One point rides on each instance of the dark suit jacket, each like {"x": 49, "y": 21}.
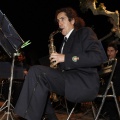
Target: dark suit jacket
{"x": 81, "y": 76}
{"x": 116, "y": 77}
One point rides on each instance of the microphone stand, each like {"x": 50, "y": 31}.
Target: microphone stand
{"x": 7, "y": 102}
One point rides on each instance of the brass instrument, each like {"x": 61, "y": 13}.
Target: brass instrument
{"x": 52, "y": 49}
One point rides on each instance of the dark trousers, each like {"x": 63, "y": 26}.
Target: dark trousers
{"x": 16, "y": 89}
{"x": 34, "y": 98}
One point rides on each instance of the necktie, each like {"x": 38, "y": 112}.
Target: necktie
{"x": 64, "y": 41}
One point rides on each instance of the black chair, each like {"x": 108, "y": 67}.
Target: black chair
{"x": 106, "y": 74}
{"x": 106, "y": 87}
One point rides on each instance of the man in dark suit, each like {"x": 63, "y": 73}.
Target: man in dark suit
{"x": 109, "y": 107}
{"x": 76, "y": 75}
{"x": 23, "y": 67}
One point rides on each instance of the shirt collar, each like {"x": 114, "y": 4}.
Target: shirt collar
{"x": 111, "y": 59}
{"x": 67, "y": 36}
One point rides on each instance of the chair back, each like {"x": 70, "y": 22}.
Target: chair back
{"x": 108, "y": 67}
{"x": 106, "y": 74}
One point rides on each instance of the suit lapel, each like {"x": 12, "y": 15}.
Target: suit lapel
{"x": 69, "y": 42}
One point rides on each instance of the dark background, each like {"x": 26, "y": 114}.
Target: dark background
{"x": 34, "y": 21}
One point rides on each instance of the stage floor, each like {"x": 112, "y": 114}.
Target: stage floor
{"x": 61, "y": 112}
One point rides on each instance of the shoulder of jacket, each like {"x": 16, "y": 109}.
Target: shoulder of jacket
{"x": 85, "y": 28}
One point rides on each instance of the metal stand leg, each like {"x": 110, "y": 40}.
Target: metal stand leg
{"x": 1, "y": 91}
{"x": 71, "y": 112}
{"x": 63, "y": 105}
{"x": 7, "y": 102}
{"x": 115, "y": 98}
{"x": 104, "y": 97}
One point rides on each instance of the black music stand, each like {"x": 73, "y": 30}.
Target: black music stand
{"x": 11, "y": 42}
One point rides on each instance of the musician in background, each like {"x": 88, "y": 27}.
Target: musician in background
{"x": 112, "y": 52}
{"x": 109, "y": 107}
{"x": 20, "y": 62}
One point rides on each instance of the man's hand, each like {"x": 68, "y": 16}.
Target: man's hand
{"x": 57, "y": 58}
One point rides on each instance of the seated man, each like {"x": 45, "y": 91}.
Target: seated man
{"x": 110, "y": 106}
{"x": 76, "y": 76}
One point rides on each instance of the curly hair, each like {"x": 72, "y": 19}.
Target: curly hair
{"x": 71, "y": 14}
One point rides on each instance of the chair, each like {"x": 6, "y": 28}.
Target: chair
{"x": 106, "y": 72}
{"x": 106, "y": 75}
{"x": 92, "y": 108}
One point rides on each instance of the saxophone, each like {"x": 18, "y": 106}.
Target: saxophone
{"x": 52, "y": 49}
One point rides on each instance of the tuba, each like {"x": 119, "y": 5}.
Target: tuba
{"x": 52, "y": 49}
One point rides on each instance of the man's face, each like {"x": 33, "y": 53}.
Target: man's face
{"x": 111, "y": 52}
{"x": 21, "y": 57}
{"x": 64, "y": 23}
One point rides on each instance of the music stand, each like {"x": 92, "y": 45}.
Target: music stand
{"x": 11, "y": 42}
